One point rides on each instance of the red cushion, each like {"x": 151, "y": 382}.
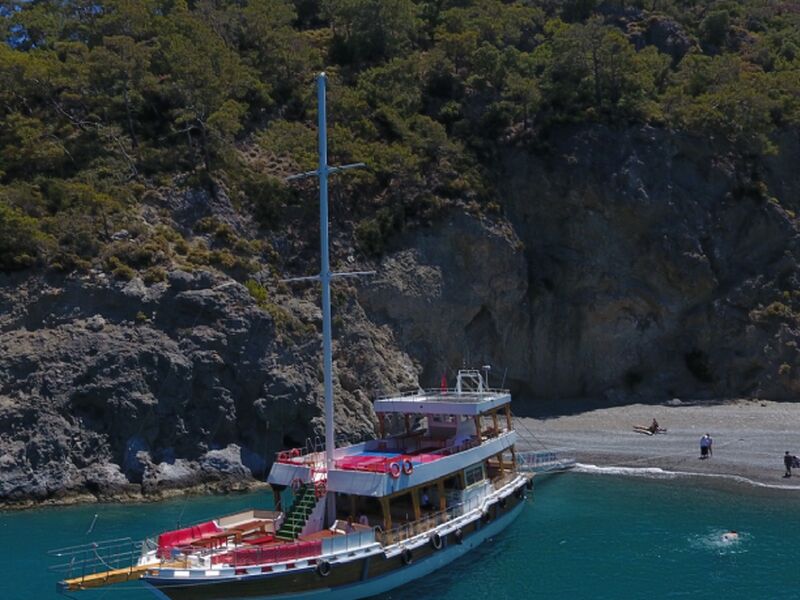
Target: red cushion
{"x": 184, "y": 537}
{"x": 208, "y": 528}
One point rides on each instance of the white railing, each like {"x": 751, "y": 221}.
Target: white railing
{"x": 428, "y": 522}
{"x": 448, "y": 395}
{"x": 96, "y": 557}
{"x": 545, "y": 460}
{"x": 346, "y": 543}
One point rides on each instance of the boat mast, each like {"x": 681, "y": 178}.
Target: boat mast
{"x": 325, "y": 276}
{"x": 325, "y": 270}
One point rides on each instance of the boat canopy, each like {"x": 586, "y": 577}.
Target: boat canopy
{"x": 449, "y": 402}
{"x": 471, "y": 397}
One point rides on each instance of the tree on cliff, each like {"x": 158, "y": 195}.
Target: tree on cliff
{"x": 101, "y": 102}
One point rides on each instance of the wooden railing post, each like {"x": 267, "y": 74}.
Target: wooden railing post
{"x": 387, "y": 515}
{"x": 442, "y": 496}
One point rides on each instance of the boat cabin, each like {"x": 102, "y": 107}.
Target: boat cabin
{"x": 436, "y": 450}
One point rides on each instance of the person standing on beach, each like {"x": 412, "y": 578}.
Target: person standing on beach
{"x": 705, "y": 446}
{"x": 788, "y": 459}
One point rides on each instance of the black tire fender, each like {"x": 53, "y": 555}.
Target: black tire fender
{"x": 406, "y": 556}
{"x": 324, "y": 568}
{"x": 436, "y": 541}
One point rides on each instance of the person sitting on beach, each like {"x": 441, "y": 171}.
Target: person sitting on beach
{"x": 653, "y": 427}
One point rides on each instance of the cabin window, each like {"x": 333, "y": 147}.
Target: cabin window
{"x": 473, "y": 475}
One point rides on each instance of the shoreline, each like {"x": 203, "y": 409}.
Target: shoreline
{"x": 130, "y": 498}
{"x": 750, "y": 438}
{"x": 715, "y": 480}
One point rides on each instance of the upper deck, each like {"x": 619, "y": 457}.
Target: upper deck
{"x": 443, "y": 402}
{"x": 470, "y": 398}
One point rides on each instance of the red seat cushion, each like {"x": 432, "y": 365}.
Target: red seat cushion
{"x": 184, "y": 537}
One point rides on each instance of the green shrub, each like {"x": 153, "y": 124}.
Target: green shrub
{"x": 284, "y": 321}
{"x": 370, "y": 237}
{"x": 22, "y": 243}
{"x": 221, "y": 231}
{"x": 182, "y": 247}
{"x": 120, "y": 270}
{"x": 372, "y": 234}
{"x": 155, "y": 275}
{"x": 269, "y": 196}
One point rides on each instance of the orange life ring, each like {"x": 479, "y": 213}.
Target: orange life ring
{"x": 283, "y": 457}
{"x": 395, "y": 470}
{"x": 295, "y": 452}
{"x": 408, "y": 467}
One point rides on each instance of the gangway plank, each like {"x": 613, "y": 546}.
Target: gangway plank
{"x": 544, "y": 461}
{"x": 95, "y": 580}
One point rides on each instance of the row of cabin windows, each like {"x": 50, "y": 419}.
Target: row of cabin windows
{"x": 473, "y": 474}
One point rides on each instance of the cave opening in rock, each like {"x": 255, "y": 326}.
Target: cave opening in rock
{"x": 697, "y": 363}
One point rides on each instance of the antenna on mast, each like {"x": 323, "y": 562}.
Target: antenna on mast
{"x": 325, "y": 276}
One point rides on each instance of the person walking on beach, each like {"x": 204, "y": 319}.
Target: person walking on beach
{"x": 705, "y": 446}
{"x": 788, "y": 461}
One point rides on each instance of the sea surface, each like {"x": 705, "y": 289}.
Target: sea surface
{"x": 582, "y": 536}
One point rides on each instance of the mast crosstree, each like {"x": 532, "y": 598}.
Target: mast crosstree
{"x": 325, "y": 275}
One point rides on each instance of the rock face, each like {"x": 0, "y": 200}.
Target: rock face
{"x": 628, "y": 265}
{"x": 633, "y": 264}
{"x": 649, "y": 256}
{"x": 116, "y": 388}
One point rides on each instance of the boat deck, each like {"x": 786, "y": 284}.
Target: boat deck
{"x": 381, "y": 461}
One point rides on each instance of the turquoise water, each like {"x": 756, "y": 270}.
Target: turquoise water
{"x": 583, "y": 536}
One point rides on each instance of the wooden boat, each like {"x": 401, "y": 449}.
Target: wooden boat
{"x": 440, "y": 479}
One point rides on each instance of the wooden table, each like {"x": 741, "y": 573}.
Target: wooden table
{"x": 249, "y": 527}
{"x": 214, "y": 540}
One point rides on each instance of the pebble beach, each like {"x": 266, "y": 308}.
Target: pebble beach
{"x": 750, "y": 438}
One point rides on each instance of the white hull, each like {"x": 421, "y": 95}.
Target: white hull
{"x": 412, "y": 572}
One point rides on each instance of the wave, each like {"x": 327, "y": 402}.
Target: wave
{"x": 658, "y": 473}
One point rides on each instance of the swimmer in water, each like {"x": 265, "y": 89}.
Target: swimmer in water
{"x": 730, "y": 536}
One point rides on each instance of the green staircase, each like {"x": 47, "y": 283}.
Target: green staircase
{"x": 296, "y": 518}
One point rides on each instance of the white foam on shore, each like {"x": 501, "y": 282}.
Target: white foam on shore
{"x": 657, "y": 473}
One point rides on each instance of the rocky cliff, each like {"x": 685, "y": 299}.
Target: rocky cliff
{"x": 635, "y": 264}
{"x": 632, "y": 264}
